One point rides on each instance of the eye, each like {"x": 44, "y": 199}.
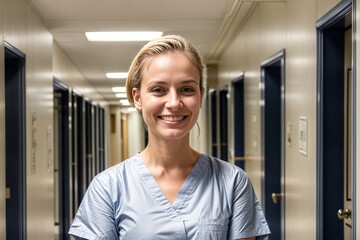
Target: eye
{"x": 188, "y": 89}
{"x": 157, "y": 90}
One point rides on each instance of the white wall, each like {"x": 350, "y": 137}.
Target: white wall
{"x": 199, "y": 136}
{"x": 115, "y": 138}
{"x": 136, "y": 134}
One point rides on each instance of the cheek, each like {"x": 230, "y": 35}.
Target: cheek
{"x": 194, "y": 106}
{"x": 151, "y": 105}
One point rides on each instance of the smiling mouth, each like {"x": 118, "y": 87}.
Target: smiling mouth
{"x": 172, "y": 119}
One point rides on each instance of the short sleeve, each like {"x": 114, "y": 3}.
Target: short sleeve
{"x": 95, "y": 219}
{"x": 248, "y": 219}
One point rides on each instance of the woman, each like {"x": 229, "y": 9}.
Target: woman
{"x": 169, "y": 190}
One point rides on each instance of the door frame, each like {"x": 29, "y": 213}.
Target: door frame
{"x": 223, "y": 123}
{"x": 64, "y": 158}
{"x": 20, "y": 167}
{"x": 325, "y": 23}
{"x": 89, "y": 146}
{"x": 213, "y": 121}
{"x": 238, "y": 121}
{"x": 277, "y": 57}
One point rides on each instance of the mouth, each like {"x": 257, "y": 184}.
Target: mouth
{"x": 172, "y": 118}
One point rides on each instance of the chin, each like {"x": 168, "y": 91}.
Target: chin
{"x": 176, "y": 136}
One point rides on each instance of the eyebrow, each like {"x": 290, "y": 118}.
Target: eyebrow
{"x": 165, "y": 82}
{"x": 191, "y": 81}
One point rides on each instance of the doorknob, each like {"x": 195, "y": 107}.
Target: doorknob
{"x": 276, "y": 197}
{"x": 342, "y": 214}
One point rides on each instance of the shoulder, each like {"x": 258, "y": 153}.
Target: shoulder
{"x": 117, "y": 173}
{"x": 217, "y": 163}
{"x": 111, "y": 183}
{"x": 226, "y": 170}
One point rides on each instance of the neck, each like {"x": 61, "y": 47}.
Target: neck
{"x": 169, "y": 154}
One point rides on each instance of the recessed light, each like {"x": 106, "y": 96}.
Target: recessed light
{"x": 124, "y": 102}
{"x": 131, "y": 109}
{"x": 122, "y": 36}
{"x": 121, "y": 95}
{"x": 116, "y": 75}
{"x": 119, "y": 89}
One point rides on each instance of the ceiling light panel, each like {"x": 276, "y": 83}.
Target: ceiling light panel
{"x": 121, "y": 95}
{"x": 118, "y": 89}
{"x": 117, "y": 75}
{"x": 122, "y": 36}
{"x": 124, "y": 102}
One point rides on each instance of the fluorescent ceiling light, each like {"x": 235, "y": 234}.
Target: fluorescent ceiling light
{"x": 122, "y": 36}
{"x": 117, "y": 75}
{"x": 119, "y": 89}
{"x": 121, "y": 95}
{"x": 131, "y": 109}
{"x": 124, "y": 102}
{"x": 128, "y": 110}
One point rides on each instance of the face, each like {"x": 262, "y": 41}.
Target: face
{"x": 170, "y": 96}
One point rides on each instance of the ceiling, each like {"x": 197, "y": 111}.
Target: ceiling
{"x": 208, "y": 24}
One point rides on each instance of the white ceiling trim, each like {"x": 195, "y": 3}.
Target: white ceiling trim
{"x": 232, "y": 23}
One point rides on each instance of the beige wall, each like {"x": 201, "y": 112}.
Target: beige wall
{"x": 272, "y": 27}
{"x": 65, "y": 71}
{"x": 39, "y": 103}
{"x": 23, "y": 30}
{"x": 301, "y": 101}
{"x": 115, "y": 138}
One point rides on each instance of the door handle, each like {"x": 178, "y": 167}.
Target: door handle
{"x": 344, "y": 213}
{"x": 276, "y": 197}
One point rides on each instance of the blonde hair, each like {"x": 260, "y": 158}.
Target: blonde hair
{"x": 162, "y": 45}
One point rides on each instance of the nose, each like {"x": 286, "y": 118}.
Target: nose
{"x": 173, "y": 100}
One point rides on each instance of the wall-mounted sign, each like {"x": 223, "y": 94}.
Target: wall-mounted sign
{"x": 303, "y": 135}
{"x": 33, "y": 142}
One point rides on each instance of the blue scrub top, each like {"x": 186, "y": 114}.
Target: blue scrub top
{"x": 216, "y": 201}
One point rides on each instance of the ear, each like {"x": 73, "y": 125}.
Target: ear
{"x": 137, "y": 100}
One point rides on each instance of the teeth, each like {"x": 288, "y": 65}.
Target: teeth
{"x": 172, "y": 119}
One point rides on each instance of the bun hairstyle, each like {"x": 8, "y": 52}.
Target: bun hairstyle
{"x": 162, "y": 45}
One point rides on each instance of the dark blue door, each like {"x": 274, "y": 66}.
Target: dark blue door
{"x": 331, "y": 122}
{"x": 213, "y": 123}
{"x": 237, "y": 87}
{"x": 223, "y": 112}
{"x": 273, "y": 108}
{"x": 63, "y": 165}
{"x": 15, "y": 144}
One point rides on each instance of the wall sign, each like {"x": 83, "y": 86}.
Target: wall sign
{"x": 303, "y": 135}
{"x": 33, "y": 142}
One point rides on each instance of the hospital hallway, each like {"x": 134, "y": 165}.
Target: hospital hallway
{"x": 280, "y": 102}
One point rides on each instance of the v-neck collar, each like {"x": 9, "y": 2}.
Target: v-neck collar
{"x": 184, "y": 193}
